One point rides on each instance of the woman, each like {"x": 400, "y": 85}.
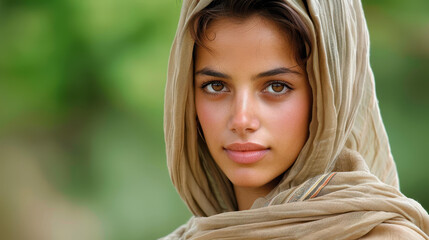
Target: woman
{"x": 272, "y": 125}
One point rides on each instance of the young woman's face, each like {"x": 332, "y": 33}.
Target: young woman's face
{"x": 252, "y": 100}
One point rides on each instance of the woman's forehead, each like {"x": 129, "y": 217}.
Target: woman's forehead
{"x": 237, "y": 44}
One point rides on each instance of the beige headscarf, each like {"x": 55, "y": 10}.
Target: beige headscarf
{"x": 344, "y": 181}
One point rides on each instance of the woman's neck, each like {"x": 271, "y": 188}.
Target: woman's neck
{"x": 246, "y": 196}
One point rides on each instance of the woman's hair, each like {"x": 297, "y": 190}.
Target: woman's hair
{"x": 275, "y": 10}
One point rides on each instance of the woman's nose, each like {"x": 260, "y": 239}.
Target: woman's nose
{"x": 243, "y": 118}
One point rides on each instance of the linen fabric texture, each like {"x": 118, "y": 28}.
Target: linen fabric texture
{"x": 344, "y": 181}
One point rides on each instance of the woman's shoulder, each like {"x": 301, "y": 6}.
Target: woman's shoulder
{"x": 393, "y": 232}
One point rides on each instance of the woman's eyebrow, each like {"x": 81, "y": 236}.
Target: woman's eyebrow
{"x": 276, "y": 71}
{"x": 211, "y": 72}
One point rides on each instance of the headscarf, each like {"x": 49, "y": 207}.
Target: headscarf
{"x": 344, "y": 181}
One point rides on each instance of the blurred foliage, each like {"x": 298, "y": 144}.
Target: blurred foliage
{"x": 81, "y": 107}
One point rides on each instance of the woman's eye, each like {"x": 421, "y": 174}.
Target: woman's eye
{"x": 277, "y": 88}
{"x": 215, "y": 87}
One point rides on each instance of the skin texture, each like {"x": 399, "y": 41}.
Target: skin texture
{"x": 237, "y": 103}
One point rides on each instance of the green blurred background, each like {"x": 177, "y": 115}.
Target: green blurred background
{"x": 81, "y": 108}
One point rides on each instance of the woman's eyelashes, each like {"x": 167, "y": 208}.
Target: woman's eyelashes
{"x": 214, "y": 87}
{"x": 276, "y": 88}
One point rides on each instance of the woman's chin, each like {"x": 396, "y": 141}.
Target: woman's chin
{"x": 250, "y": 181}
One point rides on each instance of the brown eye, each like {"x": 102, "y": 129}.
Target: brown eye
{"x": 277, "y": 87}
{"x": 217, "y": 86}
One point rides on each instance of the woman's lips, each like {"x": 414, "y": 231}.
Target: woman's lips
{"x": 245, "y": 153}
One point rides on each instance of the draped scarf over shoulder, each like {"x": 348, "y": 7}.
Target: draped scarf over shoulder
{"x": 344, "y": 181}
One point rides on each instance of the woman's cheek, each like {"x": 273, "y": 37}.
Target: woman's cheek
{"x": 209, "y": 114}
{"x": 289, "y": 118}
